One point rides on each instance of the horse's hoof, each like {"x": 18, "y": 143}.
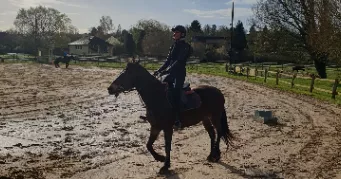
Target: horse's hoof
{"x": 164, "y": 170}
{"x": 216, "y": 159}
{"x": 212, "y": 158}
{"x": 143, "y": 118}
{"x": 160, "y": 158}
{"x": 209, "y": 158}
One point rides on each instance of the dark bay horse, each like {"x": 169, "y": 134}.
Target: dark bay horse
{"x": 161, "y": 118}
{"x": 65, "y": 60}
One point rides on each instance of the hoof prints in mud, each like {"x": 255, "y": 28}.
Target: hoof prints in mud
{"x": 15, "y": 173}
{"x": 79, "y": 127}
{"x": 70, "y": 116}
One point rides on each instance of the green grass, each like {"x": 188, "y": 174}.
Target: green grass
{"x": 26, "y": 56}
{"x": 219, "y": 70}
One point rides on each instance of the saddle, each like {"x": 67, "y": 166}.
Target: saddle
{"x": 189, "y": 98}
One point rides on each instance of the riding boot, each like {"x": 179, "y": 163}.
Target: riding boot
{"x": 176, "y": 108}
{"x": 177, "y": 123}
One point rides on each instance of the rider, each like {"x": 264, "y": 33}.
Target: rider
{"x": 65, "y": 54}
{"x": 175, "y": 67}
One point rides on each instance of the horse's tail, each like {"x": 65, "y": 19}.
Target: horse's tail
{"x": 56, "y": 61}
{"x": 226, "y": 133}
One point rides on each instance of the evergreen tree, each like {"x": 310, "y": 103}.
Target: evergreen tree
{"x": 129, "y": 44}
{"x": 239, "y": 37}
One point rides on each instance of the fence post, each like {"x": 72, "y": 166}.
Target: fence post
{"x": 334, "y": 93}
{"x": 256, "y": 72}
{"x": 312, "y": 82}
{"x": 293, "y": 79}
{"x": 277, "y": 77}
{"x": 247, "y": 72}
{"x": 265, "y": 75}
{"x": 226, "y": 67}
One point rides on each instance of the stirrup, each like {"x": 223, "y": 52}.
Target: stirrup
{"x": 177, "y": 124}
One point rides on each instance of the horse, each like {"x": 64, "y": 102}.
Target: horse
{"x": 65, "y": 60}
{"x": 298, "y": 67}
{"x": 153, "y": 92}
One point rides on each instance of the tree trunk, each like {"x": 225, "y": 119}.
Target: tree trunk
{"x": 320, "y": 65}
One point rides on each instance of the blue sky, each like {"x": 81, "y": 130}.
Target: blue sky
{"x": 86, "y": 13}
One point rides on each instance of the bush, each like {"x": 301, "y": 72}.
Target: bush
{"x": 213, "y": 55}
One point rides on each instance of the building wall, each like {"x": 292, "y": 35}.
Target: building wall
{"x": 79, "y": 49}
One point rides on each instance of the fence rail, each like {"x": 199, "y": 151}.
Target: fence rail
{"x": 279, "y": 74}
{"x": 251, "y": 70}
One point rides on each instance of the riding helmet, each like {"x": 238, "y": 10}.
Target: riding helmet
{"x": 181, "y": 29}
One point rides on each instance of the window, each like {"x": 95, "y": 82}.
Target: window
{"x": 79, "y": 47}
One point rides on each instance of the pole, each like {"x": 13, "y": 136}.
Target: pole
{"x": 232, "y": 18}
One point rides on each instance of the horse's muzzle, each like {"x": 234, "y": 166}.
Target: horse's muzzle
{"x": 115, "y": 89}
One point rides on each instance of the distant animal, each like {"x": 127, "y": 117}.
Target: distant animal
{"x": 204, "y": 104}
{"x": 297, "y": 68}
{"x": 65, "y": 60}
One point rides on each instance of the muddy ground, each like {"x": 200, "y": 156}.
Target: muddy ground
{"x": 61, "y": 123}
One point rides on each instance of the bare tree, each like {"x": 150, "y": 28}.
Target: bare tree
{"x": 157, "y": 37}
{"x": 42, "y": 24}
{"x": 313, "y": 22}
{"x": 106, "y": 24}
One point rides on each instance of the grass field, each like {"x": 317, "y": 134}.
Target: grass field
{"x": 219, "y": 70}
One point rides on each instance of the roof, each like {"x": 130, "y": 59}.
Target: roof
{"x": 208, "y": 39}
{"x": 82, "y": 41}
{"x": 113, "y": 41}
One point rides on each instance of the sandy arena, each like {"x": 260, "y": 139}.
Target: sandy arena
{"x": 61, "y": 123}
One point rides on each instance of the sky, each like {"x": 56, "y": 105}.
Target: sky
{"x": 86, "y": 13}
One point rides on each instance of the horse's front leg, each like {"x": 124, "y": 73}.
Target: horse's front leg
{"x": 168, "y": 132}
{"x": 154, "y": 133}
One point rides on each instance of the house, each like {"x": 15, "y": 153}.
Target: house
{"x": 201, "y": 44}
{"x": 90, "y": 45}
{"x": 209, "y": 39}
{"x": 116, "y": 44}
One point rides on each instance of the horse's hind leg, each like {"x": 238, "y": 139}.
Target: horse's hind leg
{"x": 154, "y": 133}
{"x": 210, "y": 130}
{"x": 168, "y": 132}
{"x": 216, "y": 121}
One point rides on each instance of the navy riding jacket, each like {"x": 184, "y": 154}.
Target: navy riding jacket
{"x": 175, "y": 64}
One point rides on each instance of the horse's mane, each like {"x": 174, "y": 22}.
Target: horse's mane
{"x": 144, "y": 74}
{"x": 151, "y": 90}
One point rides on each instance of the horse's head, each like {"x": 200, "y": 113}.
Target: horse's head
{"x": 73, "y": 57}
{"x": 126, "y": 81}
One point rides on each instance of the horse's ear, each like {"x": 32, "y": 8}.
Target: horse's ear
{"x": 138, "y": 60}
{"x": 132, "y": 60}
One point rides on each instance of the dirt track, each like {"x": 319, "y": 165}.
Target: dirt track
{"x": 58, "y": 123}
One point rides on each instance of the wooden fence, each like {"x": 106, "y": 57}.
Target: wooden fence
{"x": 258, "y": 72}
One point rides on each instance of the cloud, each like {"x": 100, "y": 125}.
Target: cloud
{"x": 83, "y": 30}
{"x": 72, "y": 13}
{"x": 220, "y": 13}
{"x": 30, "y": 3}
{"x": 242, "y": 2}
{"x": 7, "y": 13}
{"x": 195, "y": 2}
